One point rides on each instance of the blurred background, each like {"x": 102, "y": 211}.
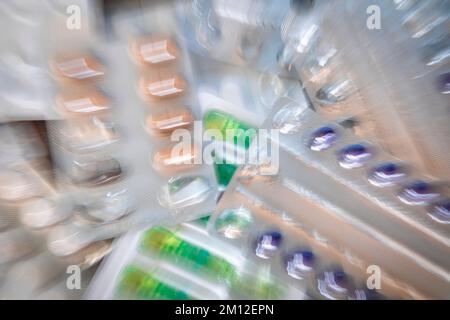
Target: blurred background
{"x": 98, "y": 202}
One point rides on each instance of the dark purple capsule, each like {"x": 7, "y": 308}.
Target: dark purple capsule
{"x": 354, "y": 156}
{"x": 440, "y": 211}
{"x": 340, "y": 279}
{"x": 334, "y": 285}
{"x": 386, "y": 174}
{"x": 300, "y": 263}
{"x": 322, "y": 139}
{"x": 418, "y": 193}
{"x": 268, "y": 244}
{"x": 444, "y": 83}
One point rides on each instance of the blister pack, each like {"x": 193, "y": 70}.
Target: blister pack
{"x": 28, "y": 212}
{"x": 381, "y": 80}
{"x": 243, "y": 33}
{"x": 329, "y": 180}
{"x": 234, "y": 106}
{"x": 183, "y": 263}
{"x": 27, "y": 88}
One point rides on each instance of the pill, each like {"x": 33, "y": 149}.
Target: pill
{"x": 18, "y": 186}
{"x": 440, "y": 211}
{"x": 289, "y": 119}
{"x": 167, "y": 87}
{"x": 167, "y": 122}
{"x": 180, "y": 192}
{"x": 154, "y": 51}
{"x": 322, "y": 139}
{"x": 96, "y": 173}
{"x": 231, "y": 128}
{"x": 268, "y": 244}
{"x": 80, "y": 67}
{"x": 418, "y": 193}
{"x": 334, "y": 93}
{"x": 354, "y": 156}
{"x": 300, "y": 263}
{"x": 232, "y": 223}
{"x": 85, "y": 103}
{"x": 43, "y": 212}
{"x": 444, "y": 83}
{"x": 334, "y": 285}
{"x": 386, "y": 174}
{"x": 168, "y": 159}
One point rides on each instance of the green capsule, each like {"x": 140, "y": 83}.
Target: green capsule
{"x": 184, "y": 191}
{"x": 163, "y": 291}
{"x": 156, "y": 239}
{"x": 203, "y": 221}
{"x": 147, "y": 290}
{"x": 231, "y": 128}
{"x": 180, "y": 252}
{"x": 132, "y": 278}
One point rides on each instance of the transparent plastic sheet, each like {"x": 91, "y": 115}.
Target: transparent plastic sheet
{"x": 232, "y": 97}
{"x": 383, "y": 80}
{"x": 243, "y": 33}
{"x": 27, "y": 216}
{"x": 244, "y": 93}
{"x": 102, "y": 87}
{"x": 188, "y": 264}
{"x": 326, "y": 187}
{"x": 338, "y": 202}
{"x": 130, "y": 151}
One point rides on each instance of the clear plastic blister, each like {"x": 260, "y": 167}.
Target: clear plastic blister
{"x": 273, "y": 240}
{"x": 243, "y": 33}
{"x": 383, "y": 79}
{"x": 114, "y": 150}
{"x": 27, "y": 87}
{"x": 30, "y": 209}
{"x": 183, "y": 263}
{"x": 329, "y": 174}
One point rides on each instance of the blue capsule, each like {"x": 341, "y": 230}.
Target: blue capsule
{"x": 440, "y": 211}
{"x": 268, "y": 244}
{"x": 386, "y": 174}
{"x": 418, "y": 193}
{"x": 334, "y": 285}
{"x": 354, "y": 156}
{"x": 300, "y": 263}
{"x": 322, "y": 139}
